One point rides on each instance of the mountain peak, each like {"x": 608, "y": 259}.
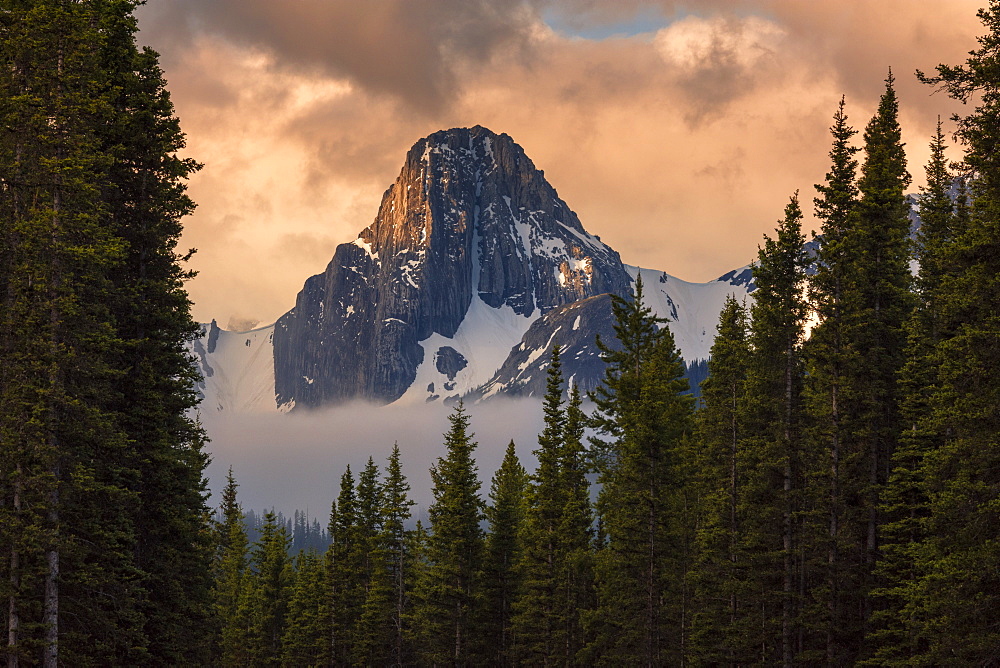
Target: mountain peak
{"x": 469, "y": 219}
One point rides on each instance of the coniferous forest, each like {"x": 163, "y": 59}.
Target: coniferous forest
{"x": 833, "y": 497}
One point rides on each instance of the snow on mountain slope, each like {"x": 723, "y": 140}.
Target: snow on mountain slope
{"x": 237, "y": 369}
{"x": 692, "y": 309}
{"x": 454, "y": 366}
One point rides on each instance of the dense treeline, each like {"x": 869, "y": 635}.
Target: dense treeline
{"x": 833, "y": 499}
{"x": 105, "y": 549}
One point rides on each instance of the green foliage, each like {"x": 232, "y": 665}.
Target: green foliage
{"x": 718, "y": 573}
{"x": 108, "y": 553}
{"x": 645, "y": 419}
{"x": 772, "y": 499}
{"x": 855, "y": 355}
{"x": 501, "y": 579}
{"x": 268, "y": 593}
{"x": 230, "y": 573}
{"x": 957, "y": 559}
{"x": 554, "y": 565}
{"x": 345, "y": 570}
{"x": 380, "y": 637}
{"x": 305, "y": 640}
{"x": 448, "y": 584}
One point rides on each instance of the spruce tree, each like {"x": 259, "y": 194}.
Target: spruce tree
{"x": 382, "y": 629}
{"x": 145, "y": 202}
{"x": 773, "y": 490}
{"x": 536, "y": 621}
{"x": 904, "y": 500}
{"x": 268, "y": 590}
{"x": 720, "y": 571}
{"x": 874, "y": 305}
{"x": 828, "y": 359}
{"x": 575, "y": 590}
{"x": 68, "y": 574}
{"x": 500, "y": 575}
{"x": 448, "y": 586}
{"x": 958, "y": 560}
{"x": 645, "y": 418}
{"x": 230, "y": 575}
{"x": 305, "y": 641}
{"x": 345, "y": 571}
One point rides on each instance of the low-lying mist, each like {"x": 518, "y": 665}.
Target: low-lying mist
{"x": 294, "y": 462}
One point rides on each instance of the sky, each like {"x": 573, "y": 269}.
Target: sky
{"x": 676, "y": 130}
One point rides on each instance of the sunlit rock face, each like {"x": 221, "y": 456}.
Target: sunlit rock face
{"x": 470, "y": 229}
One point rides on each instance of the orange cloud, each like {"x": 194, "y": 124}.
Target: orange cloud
{"x": 679, "y": 144}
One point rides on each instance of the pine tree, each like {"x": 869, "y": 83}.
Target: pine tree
{"x": 373, "y": 588}
{"x": 773, "y": 490}
{"x": 381, "y": 626}
{"x": 305, "y": 641}
{"x": 645, "y": 417}
{"x": 66, "y": 533}
{"x": 78, "y": 98}
{"x": 719, "y": 573}
{"x": 575, "y": 590}
{"x": 230, "y": 574}
{"x": 145, "y": 199}
{"x": 268, "y": 591}
{"x": 904, "y": 500}
{"x": 500, "y": 576}
{"x": 958, "y": 560}
{"x": 828, "y": 358}
{"x": 536, "y": 619}
{"x": 448, "y": 587}
{"x": 863, "y": 355}
{"x": 345, "y": 570}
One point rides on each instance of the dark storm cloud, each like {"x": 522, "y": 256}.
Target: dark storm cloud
{"x": 401, "y": 48}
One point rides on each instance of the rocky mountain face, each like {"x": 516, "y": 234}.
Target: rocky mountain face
{"x": 471, "y": 271}
{"x": 469, "y": 224}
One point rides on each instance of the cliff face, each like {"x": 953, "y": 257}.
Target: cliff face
{"x": 469, "y": 219}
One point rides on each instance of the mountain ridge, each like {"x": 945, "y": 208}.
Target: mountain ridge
{"x": 470, "y": 249}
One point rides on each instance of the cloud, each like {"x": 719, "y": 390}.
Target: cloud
{"x": 718, "y": 60}
{"x": 295, "y": 461}
{"x": 403, "y": 49}
{"x": 678, "y": 145}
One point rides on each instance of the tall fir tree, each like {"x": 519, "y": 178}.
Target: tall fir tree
{"x": 345, "y": 571}
{"x": 305, "y": 641}
{"x": 501, "y": 556}
{"x": 874, "y": 303}
{"x": 268, "y": 591}
{"x": 62, "y": 449}
{"x": 828, "y": 359}
{"x": 554, "y": 569}
{"x": 230, "y": 573}
{"x": 773, "y": 488}
{"x": 146, "y": 201}
{"x": 448, "y": 587}
{"x": 382, "y": 633}
{"x": 575, "y": 591}
{"x": 720, "y": 571}
{"x": 79, "y": 98}
{"x": 536, "y": 621}
{"x": 904, "y": 500}
{"x": 645, "y": 418}
{"x": 959, "y": 560}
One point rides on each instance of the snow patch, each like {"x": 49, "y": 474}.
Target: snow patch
{"x": 242, "y": 379}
